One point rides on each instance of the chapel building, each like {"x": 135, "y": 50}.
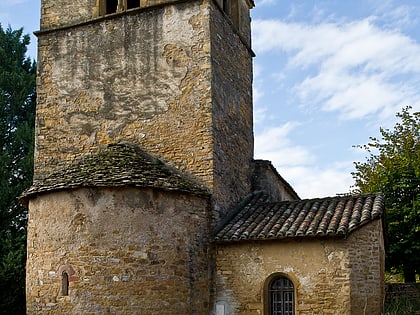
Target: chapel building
{"x": 146, "y": 197}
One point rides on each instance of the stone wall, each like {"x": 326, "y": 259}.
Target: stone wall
{"x": 175, "y": 80}
{"x": 142, "y": 78}
{"x": 126, "y": 251}
{"x": 59, "y": 13}
{"x": 266, "y": 178}
{"x": 56, "y": 13}
{"x": 326, "y": 273}
{"x": 398, "y": 291}
{"x": 231, "y": 112}
{"x": 367, "y": 263}
{"x": 240, "y": 17}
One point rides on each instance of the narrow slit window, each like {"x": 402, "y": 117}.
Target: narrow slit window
{"x": 234, "y": 13}
{"x": 227, "y": 6}
{"x": 231, "y": 8}
{"x": 65, "y": 284}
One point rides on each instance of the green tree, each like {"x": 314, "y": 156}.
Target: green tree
{"x": 393, "y": 167}
{"x": 17, "y": 111}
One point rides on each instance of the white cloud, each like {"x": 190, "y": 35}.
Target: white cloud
{"x": 275, "y": 145}
{"x": 257, "y": 90}
{"x": 259, "y": 114}
{"x": 357, "y": 69}
{"x": 298, "y": 165}
{"x": 260, "y": 3}
{"x": 333, "y": 67}
{"x": 396, "y": 15}
{"x": 313, "y": 182}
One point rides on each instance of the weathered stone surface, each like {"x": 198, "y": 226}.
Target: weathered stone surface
{"x": 231, "y": 113}
{"x": 115, "y": 231}
{"x": 398, "y": 291}
{"x": 132, "y": 251}
{"x": 331, "y": 276}
{"x": 125, "y": 79}
{"x": 154, "y": 77}
{"x": 266, "y": 178}
{"x": 174, "y": 79}
{"x": 61, "y": 13}
{"x": 117, "y": 165}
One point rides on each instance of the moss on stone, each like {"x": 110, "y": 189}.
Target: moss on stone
{"x": 117, "y": 165}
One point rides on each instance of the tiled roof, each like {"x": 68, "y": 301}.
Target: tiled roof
{"x": 117, "y": 165}
{"x": 261, "y": 219}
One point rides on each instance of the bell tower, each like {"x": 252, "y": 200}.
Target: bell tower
{"x": 144, "y": 140}
{"x": 173, "y": 76}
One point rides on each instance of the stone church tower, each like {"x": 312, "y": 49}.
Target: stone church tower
{"x": 143, "y": 142}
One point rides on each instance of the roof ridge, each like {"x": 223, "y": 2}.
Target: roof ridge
{"x": 118, "y": 164}
{"x": 263, "y": 219}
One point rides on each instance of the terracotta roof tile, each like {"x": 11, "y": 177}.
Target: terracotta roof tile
{"x": 117, "y": 165}
{"x": 261, "y": 219}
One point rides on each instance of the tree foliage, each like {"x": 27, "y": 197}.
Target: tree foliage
{"x": 393, "y": 167}
{"x": 17, "y": 111}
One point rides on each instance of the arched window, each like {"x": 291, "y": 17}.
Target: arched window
{"x": 64, "y": 284}
{"x": 281, "y": 300}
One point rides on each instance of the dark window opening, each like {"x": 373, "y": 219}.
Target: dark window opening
{"x": 116, "y": 6}
{"x": 281, "y": 296}
{"x": 111, "y": 6}
{"x": 226, "y": 6}
{"x": 64, "y": 284}
{"x": 231, "y": 8}
{"x": 131, "y": 4}
{"x": 234, "y": 13}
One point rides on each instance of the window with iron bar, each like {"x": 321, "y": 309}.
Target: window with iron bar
{"x": 281, "y": 296}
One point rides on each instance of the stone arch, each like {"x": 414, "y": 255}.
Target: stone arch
{"x": 67, "y": 275}
{"x": 280, "y": 294}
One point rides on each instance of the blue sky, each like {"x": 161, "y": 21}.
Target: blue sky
{"x": 327, "y": 75}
